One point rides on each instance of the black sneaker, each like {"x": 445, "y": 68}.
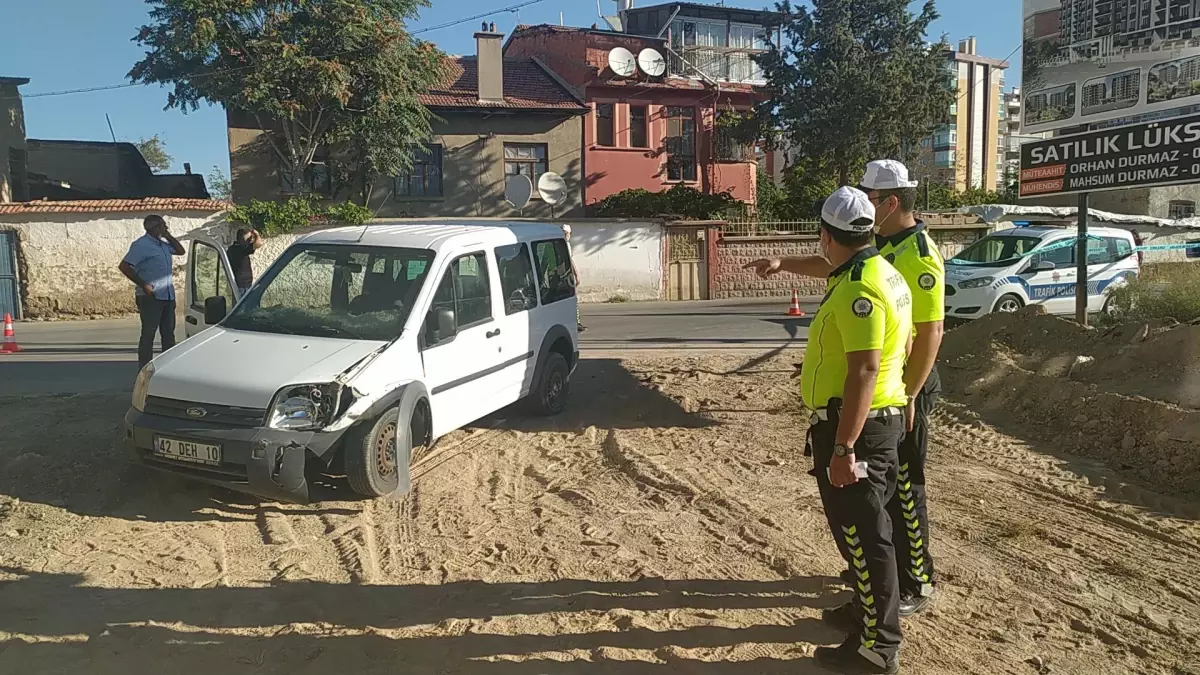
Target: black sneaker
{"x": 849, "y": 660}
{"x": 843, "y": 618}
{"x": 580, "y": 328}
{"x": 913, "y": 604}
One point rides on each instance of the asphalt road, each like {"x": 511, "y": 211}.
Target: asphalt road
{"x": 66, "y": 357}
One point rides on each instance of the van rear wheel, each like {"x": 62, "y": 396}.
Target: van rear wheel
{"x": 549, "y": 394}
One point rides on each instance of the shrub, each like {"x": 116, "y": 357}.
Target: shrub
{"x": 679, "y": 202}
{"x": 272, "y": 218}
{"x": 1165, "y": 291}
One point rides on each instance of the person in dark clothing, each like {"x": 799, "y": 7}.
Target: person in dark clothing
{"x": 244, "y": 245}
{"x": 148, "y": 265}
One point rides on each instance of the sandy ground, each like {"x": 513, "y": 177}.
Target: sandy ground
{"x": 666, "y": 523}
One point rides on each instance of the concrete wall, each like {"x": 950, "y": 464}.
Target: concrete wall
{"x": 729, "y": 280}
{"x": 68, "y": 262}
{"x": 614, "y": 257}
{"x": 12, "y": 135}
{"x": 473, "y": 176}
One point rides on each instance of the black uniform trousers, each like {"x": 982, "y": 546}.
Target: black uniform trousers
{"x": 910, "y": 534}
{"x": 859, "y": 520}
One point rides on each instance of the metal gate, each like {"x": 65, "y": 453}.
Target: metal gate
{"x": 687, "y": 274}
{"x": 8, "y": 274}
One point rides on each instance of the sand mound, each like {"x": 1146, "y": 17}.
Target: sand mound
{"x": 1127, "y": 395}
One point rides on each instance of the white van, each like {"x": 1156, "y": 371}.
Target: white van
{"x": 357, "y": 349}
{"x": 1004, "y": 271}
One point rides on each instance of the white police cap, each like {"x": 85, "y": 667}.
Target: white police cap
{"x": 849, "y": 210}
{"x": 886, "y": 174}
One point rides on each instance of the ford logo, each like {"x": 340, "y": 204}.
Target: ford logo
{"x": 196, "y": 412}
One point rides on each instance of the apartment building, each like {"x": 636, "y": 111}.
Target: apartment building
{"x": 969, "y": 151}
{"x": 1094, "y": 28}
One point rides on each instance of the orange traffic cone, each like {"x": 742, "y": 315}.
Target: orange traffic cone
{"x": 9, "y": 345}
{"x": 794, "y": 310}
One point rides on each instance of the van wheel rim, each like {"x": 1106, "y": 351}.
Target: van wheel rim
{"x": 554, "y": 388}
{"x": 385, "y": 450}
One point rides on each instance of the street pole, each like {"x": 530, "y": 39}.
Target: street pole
{"x": 1081, "y": 263}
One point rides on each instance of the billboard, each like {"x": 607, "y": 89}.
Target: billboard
{"x": 1088, "y": 61}
{"x": 1140, "y": 155}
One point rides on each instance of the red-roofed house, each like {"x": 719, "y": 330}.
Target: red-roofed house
{"x": 497, "y": 116}
{"x": 651, "y": 131}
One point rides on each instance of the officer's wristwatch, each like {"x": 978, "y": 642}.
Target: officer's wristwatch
{"x": 842, "y": 450}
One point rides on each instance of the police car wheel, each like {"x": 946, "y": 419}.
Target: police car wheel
{"x": 1110, "y": 307}
{"x": 1007, "y": 304}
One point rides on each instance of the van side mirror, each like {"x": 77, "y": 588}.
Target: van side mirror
{"x": 215, "y": 309}
{"x": 1045, "y": 266}
{"x": 440, "y": 326}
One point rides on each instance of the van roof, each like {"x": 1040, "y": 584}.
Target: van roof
{"x": 433, "y": 234}
{"x": 1036, "y": 231}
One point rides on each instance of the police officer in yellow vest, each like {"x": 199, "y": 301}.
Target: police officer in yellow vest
{"x": 852, "y": 379}
{"x": 903, "y": 241}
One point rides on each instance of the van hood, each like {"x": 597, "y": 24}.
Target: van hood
{"x": 245, "y": 369}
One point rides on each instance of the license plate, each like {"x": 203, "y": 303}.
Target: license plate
{"x": 187, "y": 451}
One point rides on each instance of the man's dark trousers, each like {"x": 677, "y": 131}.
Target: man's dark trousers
{"x": 157, "y": 316}
{"x": 910, "y": 517}
{"x": 861, "y": 525}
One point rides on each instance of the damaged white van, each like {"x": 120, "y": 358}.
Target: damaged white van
{"x": 357, "y": 349}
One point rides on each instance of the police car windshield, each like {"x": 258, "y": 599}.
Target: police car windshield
{"x": 995, "y": 251}
{"x": 349, "y": 292}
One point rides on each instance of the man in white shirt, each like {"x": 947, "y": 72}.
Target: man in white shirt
{"x": 574, "y": 270}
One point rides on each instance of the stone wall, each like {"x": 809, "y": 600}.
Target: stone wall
{"x": 733, "y": 253}
{"x": 730, "y": 280}
{"x": 67, "y": 262}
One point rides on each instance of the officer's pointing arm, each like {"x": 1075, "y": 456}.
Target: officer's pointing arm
{"x": 806, "y": 266}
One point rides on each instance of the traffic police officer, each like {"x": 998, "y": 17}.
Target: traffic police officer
{"x": 903, "y": 241}
{"x": 853, "y": 380}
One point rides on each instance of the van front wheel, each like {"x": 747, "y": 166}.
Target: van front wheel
{"x": 373, "y": 458}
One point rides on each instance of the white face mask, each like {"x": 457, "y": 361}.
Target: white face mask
{"x": 880, "y": 218}
{"x": 822, "y": 247}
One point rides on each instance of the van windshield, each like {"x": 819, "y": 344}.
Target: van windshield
{"x": 323, "y": 290}
{"x": 995, "y": 251}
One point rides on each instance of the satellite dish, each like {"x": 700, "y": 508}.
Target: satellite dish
{"x": 622, "y": 62}
{"x": 518, "y": 190}
{"x": 651, "y": 62}
{"x": 552, "y": 188}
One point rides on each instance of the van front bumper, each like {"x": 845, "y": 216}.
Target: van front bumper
{"x": 255, "y": 460}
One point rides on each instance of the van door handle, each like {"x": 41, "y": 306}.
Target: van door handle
{"x": 192, "y": 320}
{"x": 494, "y": 333}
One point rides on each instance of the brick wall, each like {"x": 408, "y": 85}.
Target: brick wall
{"x": 729, "y": 280}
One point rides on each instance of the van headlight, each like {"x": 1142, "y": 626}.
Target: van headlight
{"x": 304, "y": 407}
{"x": 141, "y": 387}
{"x": 976, "y": 283}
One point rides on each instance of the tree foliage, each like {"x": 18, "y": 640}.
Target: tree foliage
{"x": 154, "y": 151}
{"x": 343, "y": 74}
{"x": 678, "y": 202}
{"x": 855, "y": 80}
{"x": 219, "y": 186}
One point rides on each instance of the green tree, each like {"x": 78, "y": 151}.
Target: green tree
{"x": 343, "y": 75}
{"x": 154, "y": 151}
{"x": 855, "y": 80}
{"x": 219, "y": 186}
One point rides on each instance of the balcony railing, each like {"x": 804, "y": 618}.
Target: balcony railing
{"x": 729, "y": 64}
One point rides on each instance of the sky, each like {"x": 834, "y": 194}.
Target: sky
{"x": 76, "y": 44}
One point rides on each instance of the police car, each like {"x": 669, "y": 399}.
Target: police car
{"x": 1021, "y": 266}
